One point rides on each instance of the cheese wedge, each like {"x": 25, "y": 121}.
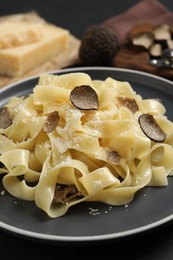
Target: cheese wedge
{"x": 16, "y": 61}
{"x": 14, "y": 34}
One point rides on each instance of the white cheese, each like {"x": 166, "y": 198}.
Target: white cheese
{"x": 18, "y": 60}
{"x": 14, "y": 34}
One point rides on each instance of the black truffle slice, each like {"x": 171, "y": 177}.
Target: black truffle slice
{"x": 162, "y": 32}
{"x": 151, "y": 128}
{"x": 51, "y": 122}
{"x": 63, "y": 194}
{"x": 130, "y": 103}
{"x": 113, "y": 157}
{"x": 144, "y": 39}
{"x": 84, "y": 97}
{"x": 5, "y": 119}
{"x": 155, "y": 51}
{"x": 99, "y": 45}
{"x": 162, "y": 35}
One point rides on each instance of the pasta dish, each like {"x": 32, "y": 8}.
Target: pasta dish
{"x": 76, "y": 139}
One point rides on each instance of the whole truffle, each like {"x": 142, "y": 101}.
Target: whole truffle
{"x": 99, "y": 45}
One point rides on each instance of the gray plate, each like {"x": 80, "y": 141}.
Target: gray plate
{"x": 150, "y": 209}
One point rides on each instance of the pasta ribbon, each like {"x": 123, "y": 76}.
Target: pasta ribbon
{"x": 58, "y": 154}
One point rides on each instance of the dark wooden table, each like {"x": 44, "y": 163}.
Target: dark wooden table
{"x": 157, "y": 244}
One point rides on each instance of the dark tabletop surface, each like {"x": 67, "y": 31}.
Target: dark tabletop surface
{"x": 157, "y": 244}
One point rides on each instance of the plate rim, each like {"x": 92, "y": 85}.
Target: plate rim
{"x": 94, "y": 238}
{"x": 103, "y": 68}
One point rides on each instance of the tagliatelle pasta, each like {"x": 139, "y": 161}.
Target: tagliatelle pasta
{"x": 58, "y": 154}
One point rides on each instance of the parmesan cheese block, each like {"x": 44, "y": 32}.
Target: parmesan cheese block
{"x": 15, "y": 61}
{"x": 19, "y": 33}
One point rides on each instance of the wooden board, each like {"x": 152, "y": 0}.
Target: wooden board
{"x": 129, "y": 57}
